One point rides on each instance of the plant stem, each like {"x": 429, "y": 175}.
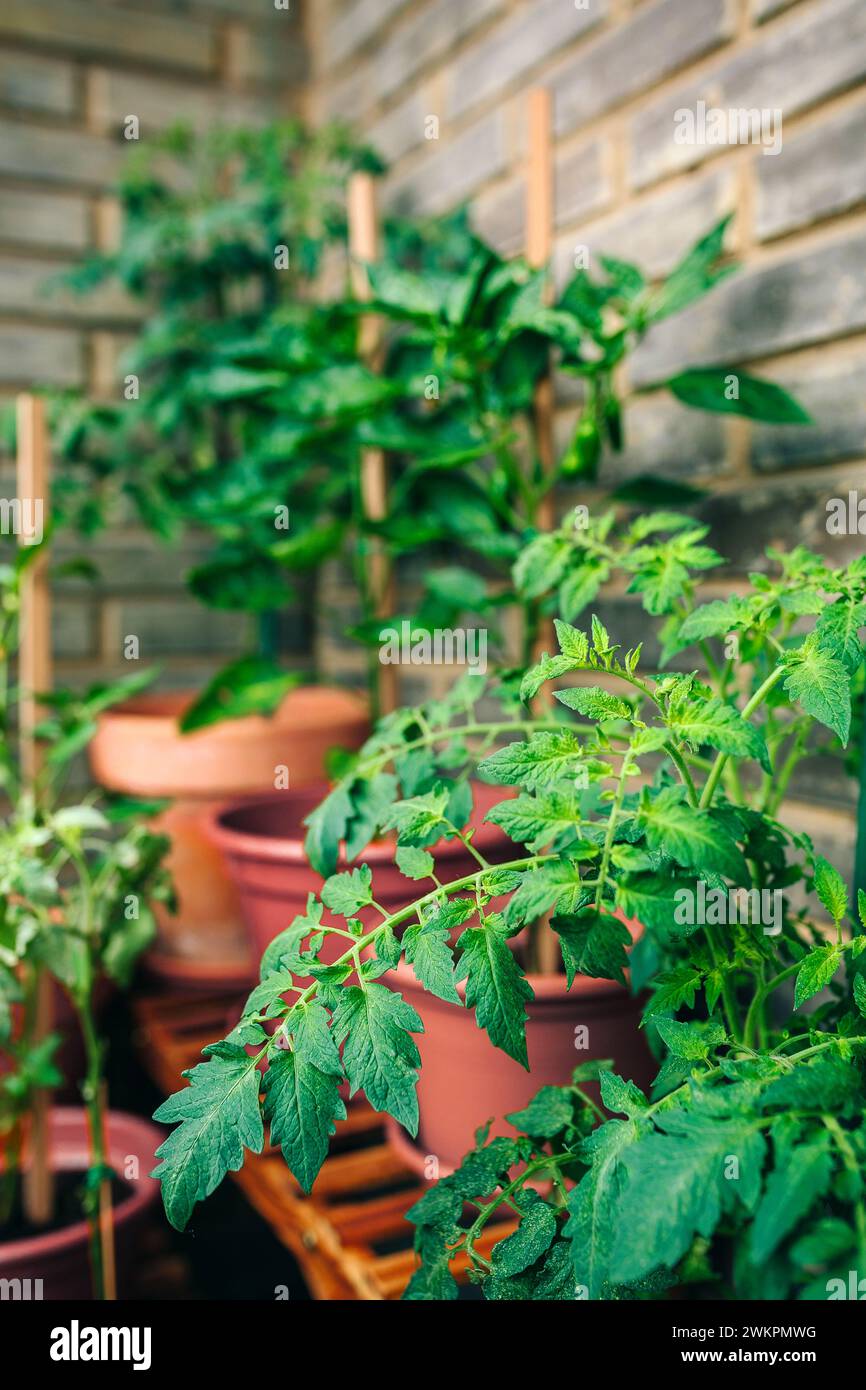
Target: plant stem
{"x": 92, "y": 1092}
{"x": 719, "y": 765}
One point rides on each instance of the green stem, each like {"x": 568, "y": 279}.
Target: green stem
{"x": 719, "y": 765}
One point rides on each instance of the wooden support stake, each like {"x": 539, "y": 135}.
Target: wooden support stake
{"x": 34, "y": 675}
{"x": 539, "y": 250}
{"x": 364, "y": 248}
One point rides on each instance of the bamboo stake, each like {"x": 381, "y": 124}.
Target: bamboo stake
{"x": 34, "y": 675}
{"x": 539, "y": 249}
{"x": 364, "y": 248}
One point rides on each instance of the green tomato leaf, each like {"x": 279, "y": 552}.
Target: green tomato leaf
{"x": 219, "y": 1118}
{"x": 379, "y": 1054}
{"x": 496, "y": 987}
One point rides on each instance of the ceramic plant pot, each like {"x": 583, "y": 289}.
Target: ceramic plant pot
{"x": 59, "y": 1259}
{"x": 139, "y": 750}
{"x": 263, "y": 844}
{"x": 465, "y": 1080}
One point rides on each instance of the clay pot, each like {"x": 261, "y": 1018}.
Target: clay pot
{"x": 465, "y": 1080}
{"x": 139, "y": 750}
{"x": 60, "y": 1258}
{"x": 263, "y": 844}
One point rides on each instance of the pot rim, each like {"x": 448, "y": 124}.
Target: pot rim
{"x": 273, "y": 849}
{"x": 136, "y": 714}
{"x": 70, "y": 1120}
{"x": 547, "y": 989}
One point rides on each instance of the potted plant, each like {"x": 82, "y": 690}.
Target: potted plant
{"x": 78, "y": 888}
{"x": 470, "y": 337}
{"x": 679, "y": 785}
{"x": 239, "y": 401}
{"x": 479, "y": 336}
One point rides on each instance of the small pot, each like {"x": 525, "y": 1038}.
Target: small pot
{"x": 59, "y": 1259}
{"x": 465, "y": 1080}
{"x": 139, "y": 750}
{"x": 263, "y": 844}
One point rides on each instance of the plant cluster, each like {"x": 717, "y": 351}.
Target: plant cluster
{"x": 248, "y": 404}
{"x": 665, "y": 781}
{"x": 77, "y": 885}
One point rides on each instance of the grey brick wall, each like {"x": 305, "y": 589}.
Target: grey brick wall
{"x": 619, "y": 70}
{"x": 70, "y": 72}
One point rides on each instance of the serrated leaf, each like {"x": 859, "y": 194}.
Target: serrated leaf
{"x": 546, "y": 668}
{"x": 415, "y": 863}
{"x": 715, "y": 619}
{"x": 549, "y": 1112}
{"x": 816, "y": 971}
{"x": 686, "y": 1162}
{"x": 720, "y": 726}
{"x": 691, "y": 1041}
{"x": 691, "y": 837}
{"x": 572, "y": 642}
{"x": 622, "y": 1097}
{"x": 541, "y": 565}
{"x": 821, "y": 685}
{"x": 824, "y": 1083}
{"x": 838, "y": 628}
{"x": 801, "y": 1176}
{"x": 593, "y": 702}
{"x": 348, "y": 892}
{"x": 542, "y": 759}
{"x": 302, "y": 1105}
{"x": 528, "y": 1243}
{"x": 831, "y": 889}
{"x": 428, "y": 950}
{"x": 594, "y": 1202}
{"x": 380, "y": 1057}
{"x": 326, "y": 828}
{"x": 536, "y": 818}
{"x": 594, "y": 944}
{"x": 556, "y": 885}
{"x": 495, "y": 987}
{"x": 219, "y": 1119}
{"x": 860, "y": 993}
{"x": 651, "y": 898}
{"x": 675, "y": 989}
{"x": 418, "y": 820}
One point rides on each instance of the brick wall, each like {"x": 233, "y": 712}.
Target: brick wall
{"x": 70, "y": 72}
{"x": 619, "y": 70}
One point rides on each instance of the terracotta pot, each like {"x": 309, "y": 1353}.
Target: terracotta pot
{"x": 263, "y": 844}
{"x": 465, "y": 1080}
{"x": 60, "y": 1258}
{"x": 138, "y": 749}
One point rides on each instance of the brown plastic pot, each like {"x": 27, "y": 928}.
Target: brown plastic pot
{"x": 263, "y": 844}
{"x": 465, "y": 1080}
{"x": 138, "y": 749}
{"x": 60, "y": 1258}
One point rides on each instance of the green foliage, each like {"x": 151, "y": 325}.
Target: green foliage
{"x": 631, "y": 796}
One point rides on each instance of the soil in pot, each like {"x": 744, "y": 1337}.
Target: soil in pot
{"x": 465, "y": 1080}
{"x": 263, "y": 844}
{"x": 58, "y": 1255}
{"x": 139, "y": 750}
